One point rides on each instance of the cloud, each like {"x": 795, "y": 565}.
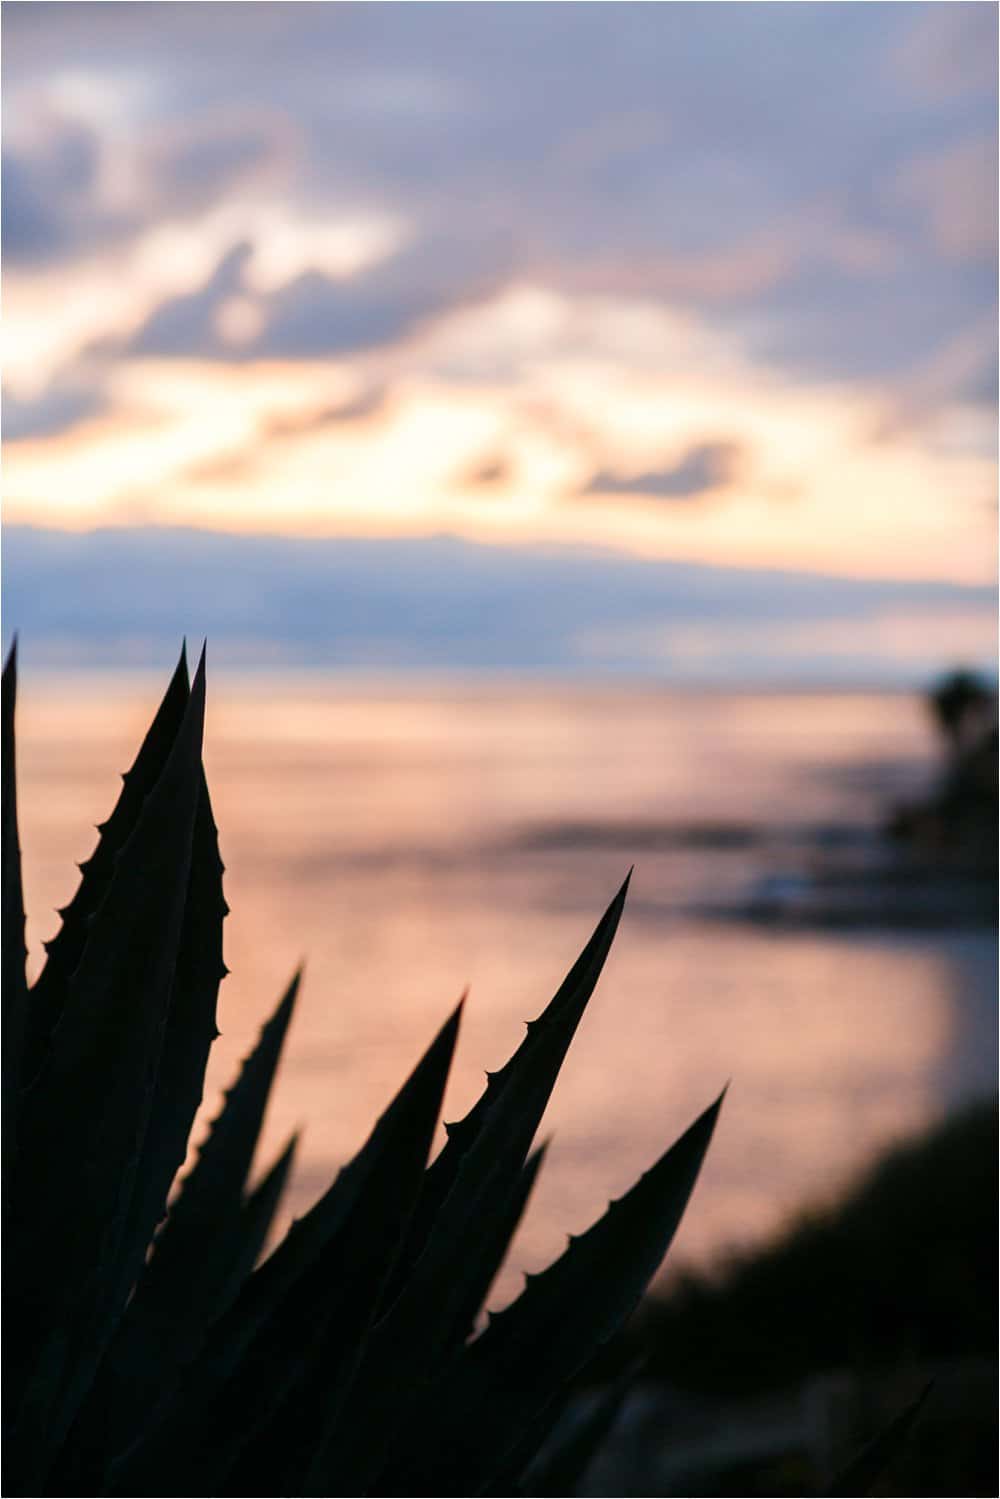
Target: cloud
{"x": 193, "y": 165}
{"x": 962, "y": 374}
{"x": 50, "y": 207}
{"x": 770, "y": 223}
{"x": 315, "y": 315}
{"x": 440, "y": 603}
{"x": 595, "y": 394}
{"x": 280, "y": 429}
{"x": 225, "y": 468}
{"x": 494, "y": 471}
{"x": 950, "y": 52}
{"x": 73, "y": 187}
{"x": 58, "y": 409}
{"x": 32, "y": 226}
{"x": 187, "y": 325}
{"x": 702, "y": 470}
{"x": 359, "y": 409}
{"x": 954, "y": 192}
{"x": 698, "y": 156}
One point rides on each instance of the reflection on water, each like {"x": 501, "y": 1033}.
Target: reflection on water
{"x": 390, "y": 837}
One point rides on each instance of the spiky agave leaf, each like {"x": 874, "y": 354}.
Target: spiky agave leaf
{"x": 562, "y": 1465}
{"x": 281, "y": 1454}
{"x": 553, "y": 1452}
{"x": 14, "y": 979}
{"x": 84, "y": 1116}
{"x": 418, "y": 1328}
{"x": 211, "y": 1195}
{"x": 468, "y": 1236}
{"x": 506, "y": 1377}
{"x": 191, "y": 1029}
{"x": 117, "y": 1411}
{"x": 63, "y": 952}
{"x": 104, "y": 1417}
{"x": 298, "y": 1327}
{"x": 199, "y": 968}
{"x": 257, "y": 1217}
{"x": 486, "y": 1256}
{"x": 205, "y": 1249}
{"x": 555, "y": 1029}
{"x": 324, "y": 1320}
{"x": 337, "y": 1366}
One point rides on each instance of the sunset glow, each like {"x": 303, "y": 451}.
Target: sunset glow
{"x": 468, "y": 468}
{"x": 412, "y": 312}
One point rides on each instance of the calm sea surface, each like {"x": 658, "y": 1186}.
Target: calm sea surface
{"x": 409, "y": 842}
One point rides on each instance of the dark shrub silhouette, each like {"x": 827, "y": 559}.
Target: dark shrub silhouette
{"x": 955, "y": 825}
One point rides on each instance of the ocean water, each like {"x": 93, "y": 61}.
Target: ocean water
{"x": 409, "y": 842}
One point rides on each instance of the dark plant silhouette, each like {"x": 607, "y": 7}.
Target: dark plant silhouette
{"x": 344, "y": 1363}
{"x": 901, "y": 1270}
{"x": 959, "y": 701}
{"x": 956, "y": 823}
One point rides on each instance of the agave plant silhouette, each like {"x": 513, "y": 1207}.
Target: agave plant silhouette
{"x": 148, "y": 1352}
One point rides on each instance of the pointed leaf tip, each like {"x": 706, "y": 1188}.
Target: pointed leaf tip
{"x": 198, "y": 685}
{"x": 291, "y": 994}
{"x": 448, "y": 1034}
{"x": 181, "y": 672}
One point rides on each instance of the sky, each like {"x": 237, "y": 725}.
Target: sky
{"x": 673, "y": 283}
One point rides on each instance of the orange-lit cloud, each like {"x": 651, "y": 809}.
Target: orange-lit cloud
{"x": 245, "y": 446}
{"x": 345, "y": 287}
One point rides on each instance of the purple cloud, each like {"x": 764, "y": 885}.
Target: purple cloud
{"x": 703, "y": 469}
